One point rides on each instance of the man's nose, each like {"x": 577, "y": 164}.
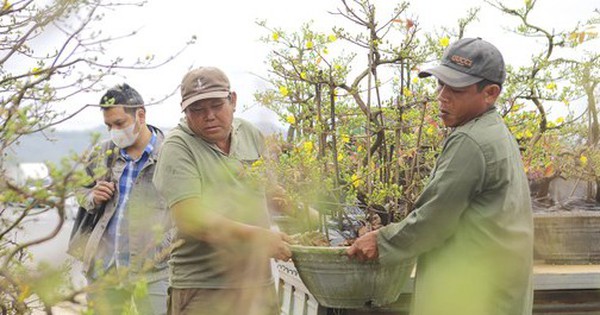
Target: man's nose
{"x": 210, "y": 114}
{"x": 442, "y": 94}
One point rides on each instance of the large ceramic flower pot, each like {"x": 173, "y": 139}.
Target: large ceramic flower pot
{"x": 567, "y": 237}
{"x": 337, "y": 281}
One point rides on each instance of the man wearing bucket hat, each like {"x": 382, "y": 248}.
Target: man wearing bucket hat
{"x": 220, "y": 264}
{"x": 472, "y": 227}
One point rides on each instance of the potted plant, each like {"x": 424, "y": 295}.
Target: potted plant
{"x": 357, "y": 150}
{"x": 561, "y": 150}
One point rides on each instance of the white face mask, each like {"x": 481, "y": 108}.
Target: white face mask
{"x": 125, "y": 137}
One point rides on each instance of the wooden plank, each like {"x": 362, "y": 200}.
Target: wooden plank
{"x": 285, "y": 297}
{"x": 299, "y": 304}
{"x": 312, "y": 306}
{"x": 289, "y": 274}
{"x": 566, "y": 277}
{"x": 566, "y": 302}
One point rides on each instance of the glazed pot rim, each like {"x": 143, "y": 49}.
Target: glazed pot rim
{"x": 341, "y": 250}
{"x": 319, "y": 247}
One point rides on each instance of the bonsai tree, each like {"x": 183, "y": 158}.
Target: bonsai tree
{"x": 361, "y": 119}
{"x": 548, "y": 82}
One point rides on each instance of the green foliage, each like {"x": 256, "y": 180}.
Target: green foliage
{"x": 548, "y": 82}
{"x": 35, "y": 80}
{"x": 374, "y": 132}
{"x": 375, "y": 125}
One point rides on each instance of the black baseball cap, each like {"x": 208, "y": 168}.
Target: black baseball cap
{"x": 468, "y": 61}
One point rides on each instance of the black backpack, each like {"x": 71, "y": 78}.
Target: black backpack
{"x": 85, "y": 221}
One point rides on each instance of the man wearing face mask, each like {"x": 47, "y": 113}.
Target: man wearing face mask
{"x": 129, "y": 244}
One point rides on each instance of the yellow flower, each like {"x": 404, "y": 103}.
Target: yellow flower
{"x": 36, "y": 71}
{"x": 360, "y": 148}
{"x": 560, "y": 120}
{"x": 345, "y": 138}
{"x": 528, "y": 134}
{"x": 406, "y": 92}
{"x": 291, "y": 119}
{"x": 309, "y": 45}
{"x": 337, "y": 67}
{"x": 275, "y": 36}
{"x": 356, "y": 181}
{"x": 583, "y": 160}
{"x": 325, "y": 51}
{"x": 573, "y": 36}
{"x": 284, "y": 90}
{"x": 340, "y": 157}
{"x": 551, "y": 86}
{"x": 303, "y": 75}
{"x": 430, "y": 130}
{"x": 331, "y": 38}
{"x": 25, "y": 293}
{"x": 308, "y": 146}
{"x": 415, "y": 80}
{"x": 566, "y": 102}
{"x": 258, "y": 163}
{"x": 444, "y": 41}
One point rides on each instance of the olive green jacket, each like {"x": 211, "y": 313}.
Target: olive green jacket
{"x": 472, "y": 228}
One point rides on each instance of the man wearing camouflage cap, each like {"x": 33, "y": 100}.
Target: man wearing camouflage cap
{"x": 472, "y": 227}
{"x": 220, "y": 264}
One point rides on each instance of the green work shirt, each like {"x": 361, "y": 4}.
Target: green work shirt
{"x": 190, "y": 167}
{"x": 472, "y": 227}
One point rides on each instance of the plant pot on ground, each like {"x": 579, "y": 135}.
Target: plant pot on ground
{"x": 568, "y": 234}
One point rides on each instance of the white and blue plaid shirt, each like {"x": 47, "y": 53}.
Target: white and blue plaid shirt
{"x": 116, "y": 233}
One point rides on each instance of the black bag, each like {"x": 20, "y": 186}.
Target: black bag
{"x": 85, "y": 221}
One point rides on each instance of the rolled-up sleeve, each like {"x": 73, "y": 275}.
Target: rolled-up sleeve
{"x": 459, "y": 175}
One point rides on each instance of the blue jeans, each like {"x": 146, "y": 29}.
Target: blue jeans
{"x": 114, "y": 301}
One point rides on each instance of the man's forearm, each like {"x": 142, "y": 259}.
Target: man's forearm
{"x": 209, "y": 226}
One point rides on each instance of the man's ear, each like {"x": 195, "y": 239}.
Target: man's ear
{"x": 492, "y": 92}
{"x": 141, "y": 115}
{"x": 233, "y": 100}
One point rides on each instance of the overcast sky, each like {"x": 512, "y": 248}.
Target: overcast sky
{"x": 229, "y": 38}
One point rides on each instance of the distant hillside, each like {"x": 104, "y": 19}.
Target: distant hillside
{"x": 54, "y": 146}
